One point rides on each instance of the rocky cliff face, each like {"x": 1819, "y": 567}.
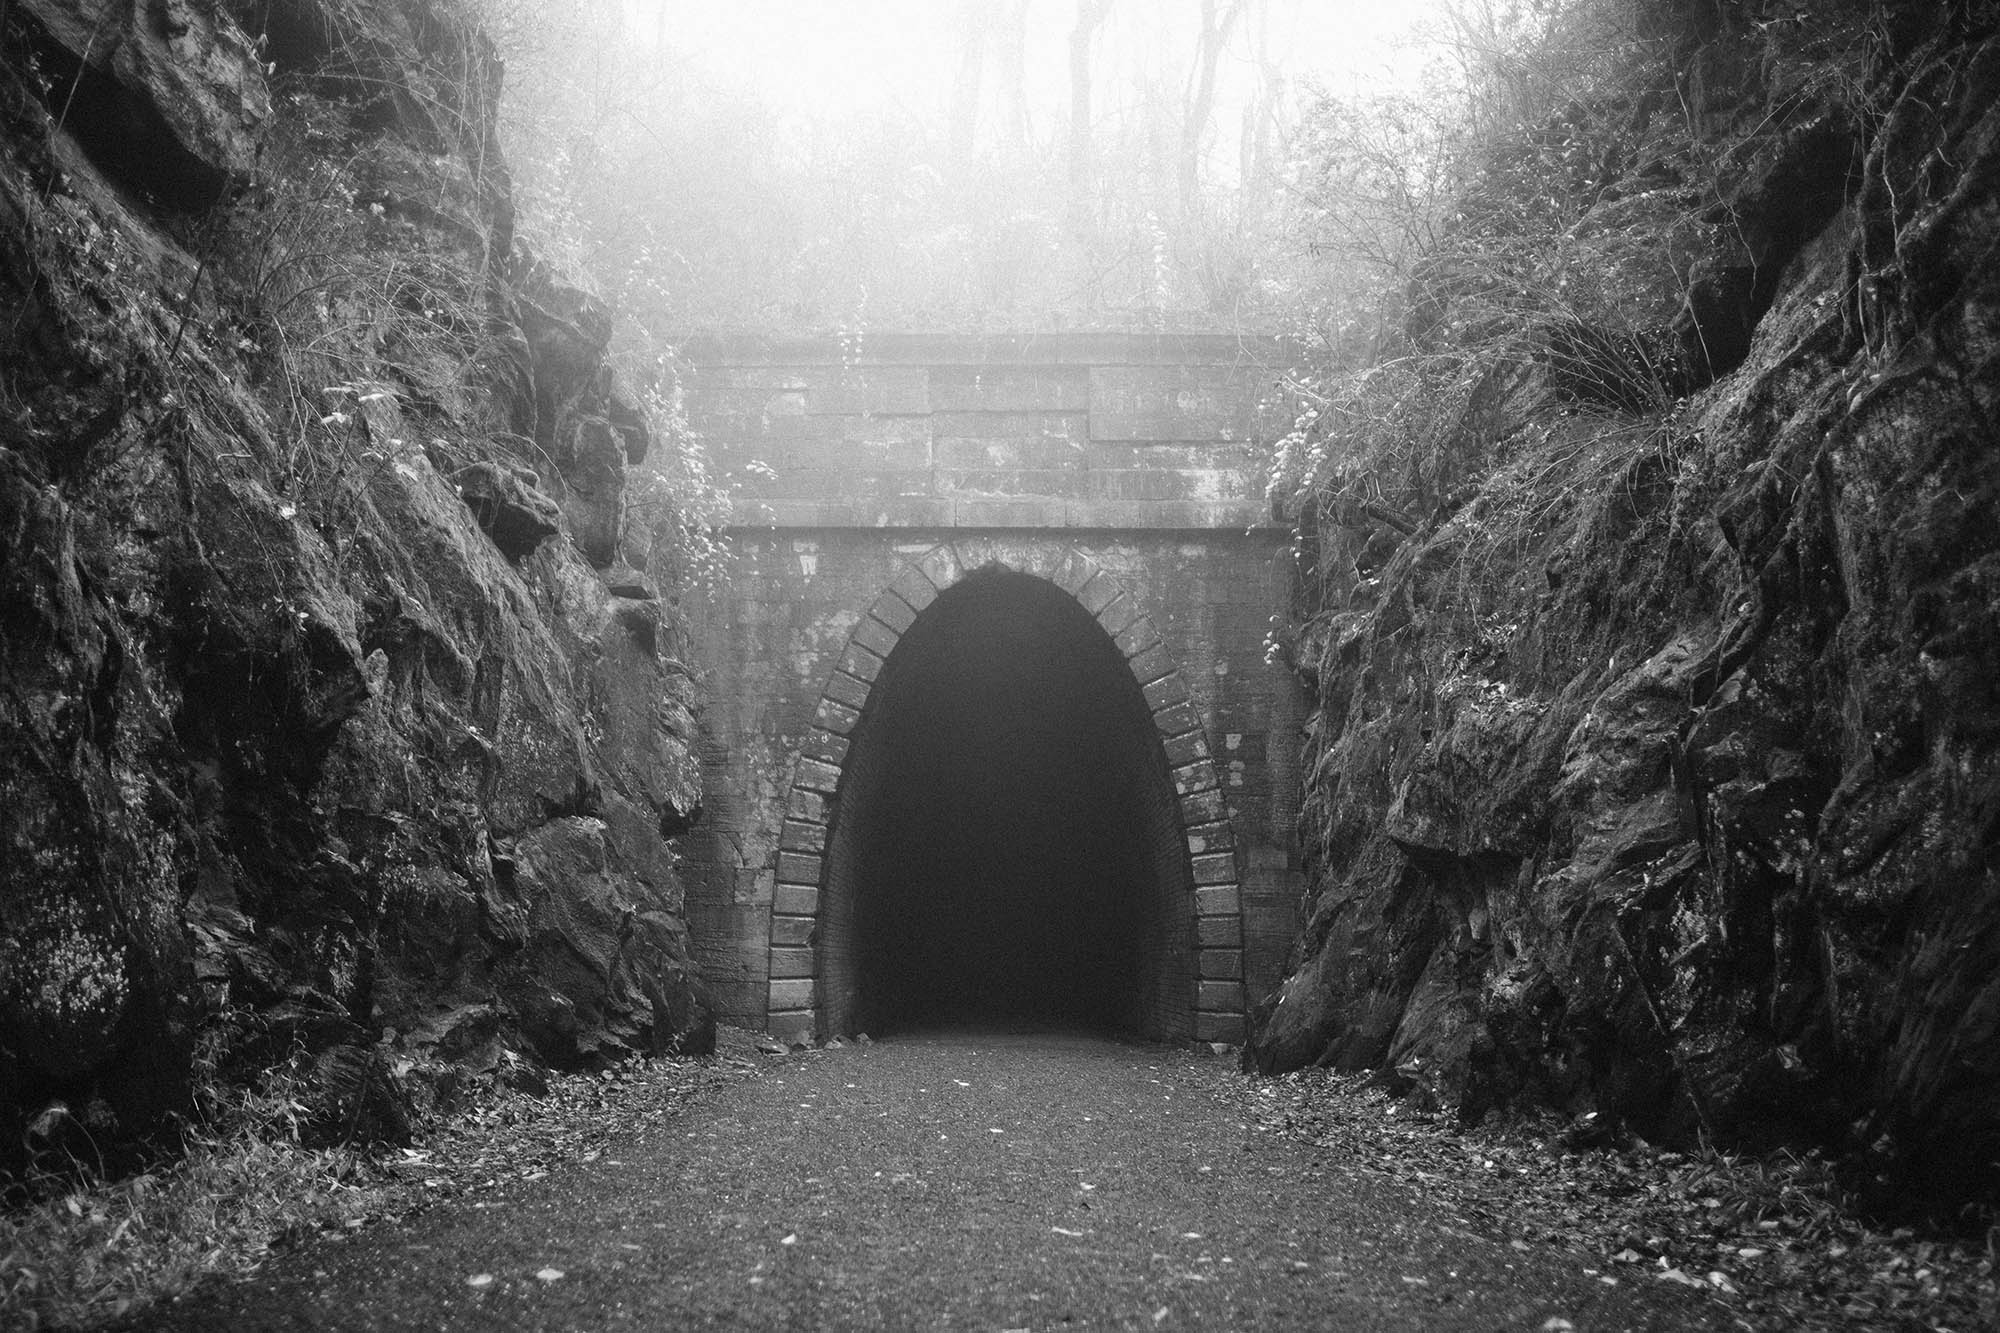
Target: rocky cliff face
{"x": 1656, "y": 762}
{"x": 337, "y": 724}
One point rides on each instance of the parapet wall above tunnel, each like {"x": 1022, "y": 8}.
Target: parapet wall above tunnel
{"x": 1110, "y": 431}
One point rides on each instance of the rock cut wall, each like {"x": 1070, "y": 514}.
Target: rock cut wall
{"x": 1655, "y": 770}
{"x": 340, "y": 722}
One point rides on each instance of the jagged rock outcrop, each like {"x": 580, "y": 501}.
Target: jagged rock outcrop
{"x": 321, "y": 736}
{"x": 1656, "y": 766}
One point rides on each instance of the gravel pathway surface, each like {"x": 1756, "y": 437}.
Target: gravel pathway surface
{"x": 962, "y": 1181}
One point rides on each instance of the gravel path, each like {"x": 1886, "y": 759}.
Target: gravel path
{"x": 951, "y": 1182}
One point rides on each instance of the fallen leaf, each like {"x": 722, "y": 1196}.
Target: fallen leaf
{"x": 479, "y": 1280}
{"x": 1065, "y": 1231}
{"x": 792, "y": 1239}
{"x": 549, "y": 1274}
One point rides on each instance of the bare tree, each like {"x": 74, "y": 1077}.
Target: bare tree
{"x": 1013, "y": 57}
{"x": 1200, "y": 100}
{"x": 1082, "y": 167}
{"x": 975, "y": 19}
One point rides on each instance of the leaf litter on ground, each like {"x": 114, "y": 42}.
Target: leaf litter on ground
{"x": 1770, "y": 1237}
{"x": 108, "y": 1250}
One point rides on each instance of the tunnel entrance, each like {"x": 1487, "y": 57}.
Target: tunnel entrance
{"x": 1007, "y": 849}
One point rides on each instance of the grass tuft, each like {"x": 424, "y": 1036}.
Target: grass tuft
{"x": 96, "y": 1251}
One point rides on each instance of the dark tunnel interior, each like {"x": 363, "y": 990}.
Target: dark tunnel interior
{"x": 1007, "y": 850}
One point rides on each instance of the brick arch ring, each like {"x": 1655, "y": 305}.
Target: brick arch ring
{"x": 1214, "y": 904}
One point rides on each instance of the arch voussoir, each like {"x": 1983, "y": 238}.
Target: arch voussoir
{"x": 1139, "y": 637}
{"x": 941, "y": 566}
{"x": 914, "y": 587}
{"x": 1120, "y": 614}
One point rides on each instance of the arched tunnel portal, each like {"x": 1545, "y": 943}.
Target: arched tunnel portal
{"x": 1008, "y": 840}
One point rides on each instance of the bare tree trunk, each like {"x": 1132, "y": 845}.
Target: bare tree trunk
{"x": 1082, "y": 168}
{"x": 1260, "y": 125}
{"x": 1201, "y": 98}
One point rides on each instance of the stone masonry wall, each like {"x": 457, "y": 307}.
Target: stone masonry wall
{"x": 1138, "y": 454}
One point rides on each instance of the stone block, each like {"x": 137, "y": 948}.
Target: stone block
{"x": 1039, "y": 559}
{"x": 1203, "y": 807}
{"x": 915, "y": 588}
{"x": 861, "y": 664}
{"x": 871, "y": 390}
{"x": 807, "y": 805}
{"x": 793, "y": 964}
{"x": 1193, "y": 403}
{"x": 1036, "y": 513}
{"x": 1215, "y": 964}
{"x": 897, "y": 511}
{"x": 875, "y": 636}
{"x": 795, "y": 900}
{"x": 798, "y": 868}
{"x": 1099, "y": 593}
{"x": 1120, "y": 614}
{"x": 1140, "y": 484}
{"x": 1010, "y": 388}
{"x": 1211, "y": 932}
{"x": 799, "y": 836}
{"x": 1187, "y": 748}
{"x": 1212, "y": 997}
{"x": 1171, "y": 515}
{"x": 1174, "y": 456}
{"x": 796, "y": 932}
{"x": 794, "y": 1027}
{"x": 1176, "y": 721}
{"x": 1219, "y": 900}
{"x": 1210, "y": 838}
{"x": 941, "y": 566}
{"x": 1165, "y": 692}
{"x": 824, "y": 745}
{"x": 1074, "y": 571}
{"x": 818, "y": 775}
{"x": 1026, "y": 486}
{"x": 793, "y": 994}
{"x": 1194, "y": 777}
{"x": 987, "y": 441}
{"x": 843, "y": 688}
{"x": 836, "y": 717}
{"x": 1215, "y": 868}
{"x": 1228, "y": 1028}
{"x": 1137, "y": 639}
{"x": 893, "y": 612}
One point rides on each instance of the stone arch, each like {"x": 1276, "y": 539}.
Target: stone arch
{"x": 1214, "y": 902}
